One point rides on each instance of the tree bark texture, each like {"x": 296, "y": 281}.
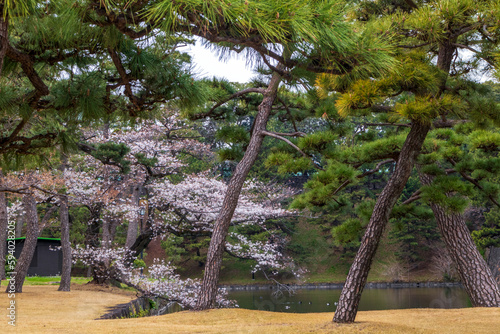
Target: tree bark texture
{"x": 475, "y": 275}
{"x": 356, "y": 279}
{"x": 66, "y": 245}
{"x": 4, "y": 38}
{"x": 24, "y": 261}
{"x": 4, "y": 222}
{"x": 209, "y": 287}
{"x": 494, "y": 262}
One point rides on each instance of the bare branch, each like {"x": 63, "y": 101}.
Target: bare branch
{"x": 14, "y": 190}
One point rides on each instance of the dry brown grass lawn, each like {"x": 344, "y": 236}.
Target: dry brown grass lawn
{"x": 42, "y": 309}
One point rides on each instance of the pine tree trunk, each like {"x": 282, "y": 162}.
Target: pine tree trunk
{"x": 4, "y": 222}
{"x": 24, "y": 261}
{"x": 474, "y": 273}
{"x": 356, "y": 279}
{"x": 209, "y": 287}
{"x": 494, "y": 262}
{"x": 4, "y": 38}
{"x": 66, "y": 246}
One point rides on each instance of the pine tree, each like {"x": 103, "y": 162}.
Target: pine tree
{"x": 428, "y": 89}
{"x": 312, "y": 38}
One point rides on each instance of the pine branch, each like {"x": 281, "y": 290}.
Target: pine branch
{"x": 414, "y": 197}
{"x": 376, "y": 169}
{"x": 121, "y": 21}
{"x": 447, "y": 123}
{"x": 473, "y": 50}
{"x": 475, "y": 183}
{"x": 387, "y": 124}
{"x": 289, "y": 113}
{"x": 125, "y": 78}
{"x": 277, "y": 136}
{"x": 24, "y": 145}
{"x": 291, "y": 134}
{"x": 372, "y": 171}
{"x": 465, "y": 30}
{"x": 283, "y": 73}
{"x": 28, "y": 67}
{"x": 257, "y": 43}
{"x": 229, "y": 98}
{"x": 486, "y": 34}
{"x": 414, "y": 46}
{"x": 19, "y": 127}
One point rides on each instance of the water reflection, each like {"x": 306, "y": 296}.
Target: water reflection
{"x": 323, "y": 300}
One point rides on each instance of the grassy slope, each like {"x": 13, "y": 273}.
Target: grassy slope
{"x": 42, "y": 309}
{"x": 50, "y": 280}
{"x": 325, "y": 266}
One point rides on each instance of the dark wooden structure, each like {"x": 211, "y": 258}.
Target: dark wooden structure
{"x": 47, "y": 260}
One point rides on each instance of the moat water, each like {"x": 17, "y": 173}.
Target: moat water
{"x": 324, "y": 300}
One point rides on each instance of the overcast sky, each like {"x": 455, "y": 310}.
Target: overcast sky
{"x": 207, "y": 64}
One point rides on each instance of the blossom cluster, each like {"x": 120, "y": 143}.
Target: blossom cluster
{"x": 160, "y": 280}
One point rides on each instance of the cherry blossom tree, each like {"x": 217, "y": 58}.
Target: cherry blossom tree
{"x": 176, "y": 202}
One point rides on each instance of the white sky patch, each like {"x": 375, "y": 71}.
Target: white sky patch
{"x": 207, "y": 64}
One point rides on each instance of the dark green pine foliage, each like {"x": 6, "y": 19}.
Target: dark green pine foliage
{"x": 370, "y": 117}
{"x": 113, "y": 154}
{"x": 69, "y": 68}
{"x": 413, "y": 228}
{"x": 489, "y": 235}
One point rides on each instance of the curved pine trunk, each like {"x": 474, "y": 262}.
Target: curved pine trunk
{"x": 475, "y": 275}
{"x": 24, "y": 261}
{"x": 356, "y": 279}
{"x": 66, "y": 246}
{"x": 208, "y": 293}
